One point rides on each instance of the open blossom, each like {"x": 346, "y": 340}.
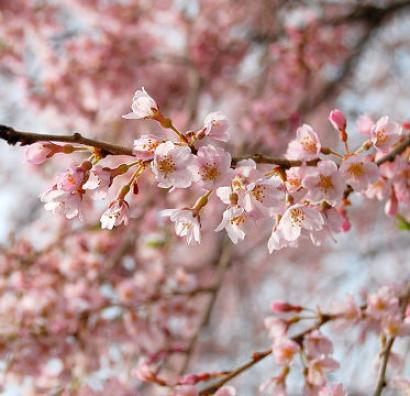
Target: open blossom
{"x": 382, "y": 303}
{"x": 318, "y": 367}
{"x": 216, "y": 126}
{"x": 264, "y": 194}
{"x": 325, "y": 183}
{"x": 284, "y": 349}
{"x": 186, "y": 223}
{"x": 99, "y": 181}
{"x": 306, "y": 146}
{"x": 277, "y": 327}
{"x": 233, "y": 221}
{"x": 145, "y": 146}
{"x": 299, "y": 217}
{"x": 71, "y": 180}
{"x": 333, "y": 224}
{"x": 385, "y": 133}
{"x": 117, "y": 213}
{"x": 67, "y": 203}
{"x": 39, "y": 152}
{"x": 316, "y": 344}
{"x": 143, "y": 106}
{"x": 333, "y": 390}
{"x": 214, "y": 166}
{"x": 173, "y": 165}
{"x": 359, "y": 173}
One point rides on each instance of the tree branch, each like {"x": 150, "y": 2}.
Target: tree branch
{"x": 12, "y": 137}
{"x": 385, "y": 353}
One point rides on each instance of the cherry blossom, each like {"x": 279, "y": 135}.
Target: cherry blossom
{"x": 325, "y": 184}
{"x": 318, "y": 367}
{"x": 333, "y": 390}
{"x": 359, "y": 173}
{"x": 99, "y": 181}
{"x": 38, "y": 153}
{"x": 145, "y": 146}
{"x": 143, "y": 106}
{"x": 385, "y": 133}
{"x": 284, "y": 349}
{"x": 338, "y": 120}
{"x": 306, "y": 146}
{"x": 234, "y": 222}
{"x": 186, "y": 223}
{"x": 217, "y": 126}
{"x": 173, "y": 165}
{"x": 117, "y": 213}
{"x": 214, "y": 166}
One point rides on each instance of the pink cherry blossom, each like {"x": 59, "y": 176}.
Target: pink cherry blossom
{"x": 99, "y": 181}
{"x": 325, "y": 184}
{"x": 67, "y": 203}
{"x": 216, "y": 126}
{"x": 117, "y": 213}
{"x": 186, "y": 223}
{"x": 264, "y": 194}
{"x": 145, "y": 146}
{"x": 274, "y": 386}
{"x": 299, "y": 217}
{"x": 359, "y": 173}
{"x": 316, "y": 344}
{"x": 306, "y": 146}
{"x": 38, "y": 153}
{"x": 333, "y": 390}
{"x": 143, "y": 106}
{"x": 385, "y": 133}
{"x": 338, "y": 120}
{"x": 214, "y": 166}
{"x": 173, "y": 165}
{"x": 277, "y": 327}
{"x": 318, "y": 367}
{"x": 71, "y": 180}
{"x": 234, "y": 221}
{"x": 284, "y": 349}
{"x": 382, "y": 303}
{"x": 226, "y": 391}
{"x": 185, "y": 390}
{"x": 364, "y": 125}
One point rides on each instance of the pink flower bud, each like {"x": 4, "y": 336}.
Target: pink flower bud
{"x": 337, "y": 119}
{"x": 38, "y": 153}
{"x": 282, "y": 306}
{"x": 392, "y": 205}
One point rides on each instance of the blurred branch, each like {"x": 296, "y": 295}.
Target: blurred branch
{"x": 222, "y": 264}
{"x": 387, "y": 346}
{"x": 259, "y": 356}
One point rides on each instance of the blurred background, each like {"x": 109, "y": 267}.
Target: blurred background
{"x": 80, "y": 306}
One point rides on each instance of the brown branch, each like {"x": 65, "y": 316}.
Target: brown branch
{"x": 385, "y": 354}
{"x": 12, "y": 137}
{"x": 259, "y": 356}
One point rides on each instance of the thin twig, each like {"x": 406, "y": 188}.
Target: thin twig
{"x": 386, "y": 352}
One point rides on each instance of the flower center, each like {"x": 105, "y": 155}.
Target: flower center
{"x": 356, "y": 170}
{"x": 308, "y": 144}
{"x": 166, "y": 165}
{"x": 325, "y": 183}
{"x": 381, "y": 136}
{"x": 296, "y": 217}
{"x": 209, "y": 172}
{"x": 150, "y": 146}
{"x": 259, "y": 192}
{"x": 295, "y": 182}
{"x": 238, "y": 220}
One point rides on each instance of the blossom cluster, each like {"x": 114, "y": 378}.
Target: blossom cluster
{"x": 303, "y": 197}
